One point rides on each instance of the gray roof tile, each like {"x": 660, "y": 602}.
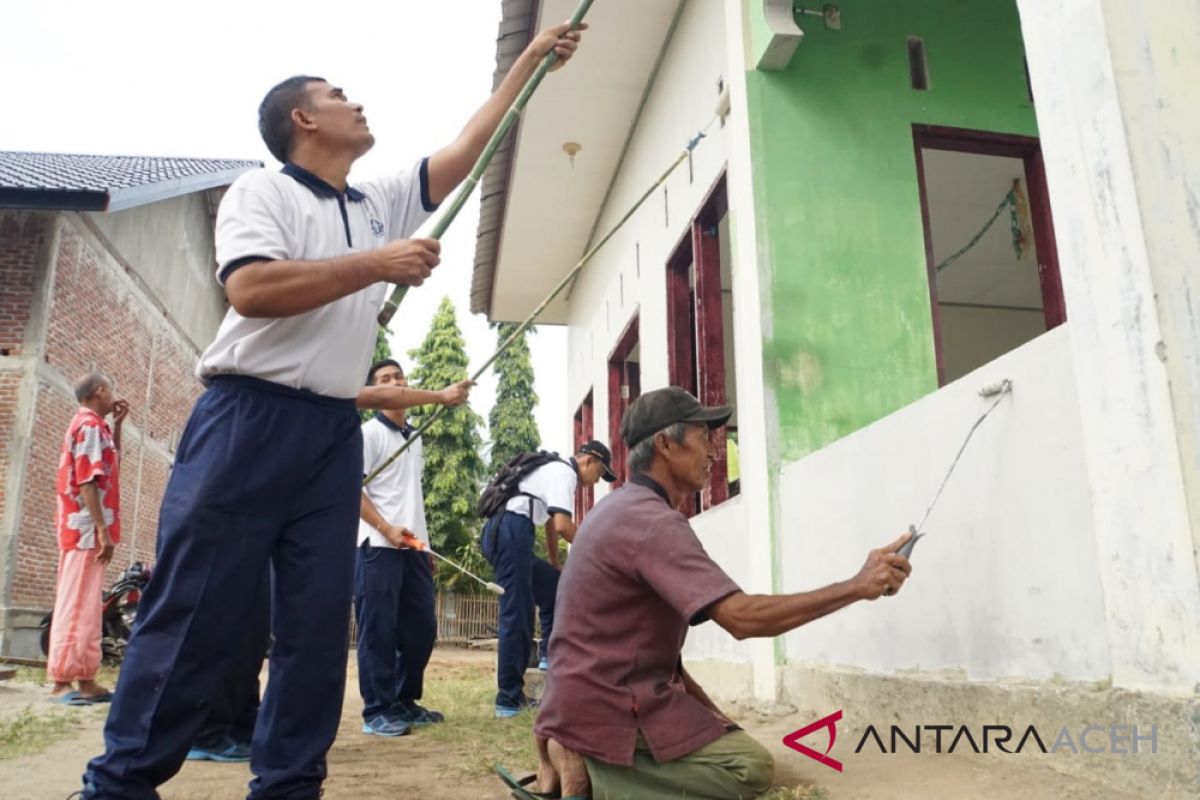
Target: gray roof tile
{"x": 59, "y": 180}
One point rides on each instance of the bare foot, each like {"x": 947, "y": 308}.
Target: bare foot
{"x": 547, "y": 775}
{"x": 91, "y": 689}
{"x": 571, "y": 768}
{"x": 61, "y": 688}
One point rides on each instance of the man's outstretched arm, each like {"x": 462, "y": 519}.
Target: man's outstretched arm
{"x": 448, "y": 166}
{"x": 750, "y": 615}
{"x": 396, "y": 398}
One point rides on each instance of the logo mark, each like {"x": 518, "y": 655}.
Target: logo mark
{"x": 829, "y": 723}
{"x": 376, "y": 227}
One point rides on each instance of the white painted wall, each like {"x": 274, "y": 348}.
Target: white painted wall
{"x": 1117, "y": 107}
{"x": 1007, "y": 583}
{"x": 722, "y": 530}
{"x": 613, "y": 288}
{"x": 629, "y": 276}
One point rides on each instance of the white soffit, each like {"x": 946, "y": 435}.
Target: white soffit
{"x": 552, "y": 206}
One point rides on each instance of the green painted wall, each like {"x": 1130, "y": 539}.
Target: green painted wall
{"x": 848, "y": 331}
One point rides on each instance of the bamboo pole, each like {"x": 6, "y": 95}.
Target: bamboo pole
{"x": 562, "y": 284}
{"x": 485, "y": 158}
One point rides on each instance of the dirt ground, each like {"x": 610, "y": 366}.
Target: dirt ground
{"x": 420, "y": 766}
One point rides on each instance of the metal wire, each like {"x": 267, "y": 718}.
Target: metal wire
{"x": 567, "y": 279}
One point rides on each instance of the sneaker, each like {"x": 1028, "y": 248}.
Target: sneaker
{"x": 228, "y": 751}
{"x": 543, "y": 665}
{"x": 417, "y": 715}
{"x": 382, "y": 726}
{"x": 504, "y": 712}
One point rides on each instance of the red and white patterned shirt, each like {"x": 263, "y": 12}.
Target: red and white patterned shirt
{"x": 88, "y": 456}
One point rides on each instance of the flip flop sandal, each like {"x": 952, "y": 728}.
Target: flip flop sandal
{"x": 71, "y": 698}
{"x": 100, "y": 698}
{"x": 520, "y": 787}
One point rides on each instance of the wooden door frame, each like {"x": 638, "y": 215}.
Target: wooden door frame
{"x": 1029, "y": 150}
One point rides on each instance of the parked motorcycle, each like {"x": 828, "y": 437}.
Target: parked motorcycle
{"x": 120, "y": 604}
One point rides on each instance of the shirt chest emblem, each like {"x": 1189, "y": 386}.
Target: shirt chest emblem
{"x": 376, "y": 227}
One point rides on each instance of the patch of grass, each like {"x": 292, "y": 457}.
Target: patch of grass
{"x": 466, "y": 694}
{"x": 796, "y": 793}
{"x": 30, "y": 732}
{"x": 107, "y": 676}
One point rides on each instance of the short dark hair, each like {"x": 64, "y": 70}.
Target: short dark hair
{"x": 275, "y": 113}
{"x": 378, "y": 365}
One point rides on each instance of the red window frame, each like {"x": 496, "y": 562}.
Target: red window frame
{"x": 585, "y": 497}
{"x": 696, "y": 327}
{"x": 626, "y": 374}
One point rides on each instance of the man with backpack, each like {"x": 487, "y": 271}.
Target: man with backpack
{"x": 530, "y": 490}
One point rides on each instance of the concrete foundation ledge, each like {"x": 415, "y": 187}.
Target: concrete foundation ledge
{"x": 1140, "y": 742}
{"x": 20, "y": 636}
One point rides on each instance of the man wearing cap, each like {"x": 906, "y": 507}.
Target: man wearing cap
{"x": 620, "y": 712}
{"x": 544, "y": 497}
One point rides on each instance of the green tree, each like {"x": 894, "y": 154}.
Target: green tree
{"x": 453, "y": 465}
{"x": 382, "y": 350}
{"x": 511, "y": 425}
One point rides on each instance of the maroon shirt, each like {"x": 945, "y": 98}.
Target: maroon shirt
{"x": 637, "y": 576}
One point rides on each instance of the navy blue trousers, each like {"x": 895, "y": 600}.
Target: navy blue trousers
{"x": 507, "y": 544}
{"x": 264, "y": 475}
{"x": 397, "y": 626}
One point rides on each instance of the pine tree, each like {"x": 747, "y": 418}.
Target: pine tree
{"x": 453, "y": 465}
{"x": 382, "y": 350}
{"x": 511, "y": 425}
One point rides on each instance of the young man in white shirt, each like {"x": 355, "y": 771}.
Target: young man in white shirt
{"x": 393, "y": 575}
{"x": 545, "y": 496}
{"x": 269, "y": 469}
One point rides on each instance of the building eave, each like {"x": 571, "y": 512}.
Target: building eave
{"x": 517, "y": 26}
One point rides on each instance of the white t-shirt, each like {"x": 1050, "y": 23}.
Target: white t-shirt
{"x": 552, "y": 487}
{"x": 293, "y": 215}
{"x": 396, "y": 492}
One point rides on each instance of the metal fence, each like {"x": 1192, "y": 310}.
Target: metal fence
{"x": 460, "y": 618}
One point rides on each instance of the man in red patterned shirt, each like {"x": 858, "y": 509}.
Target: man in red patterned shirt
{"x": 89, "y": 527}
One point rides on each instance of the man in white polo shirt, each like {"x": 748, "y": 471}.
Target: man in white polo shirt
{"x": 270, "y": 465}
{"x": 393, "y": 575}
{"x": 545, "y": 496}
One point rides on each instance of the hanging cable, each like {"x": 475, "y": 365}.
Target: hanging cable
{"x": 562, "y": 284}
{"x": 1018, "y": 223}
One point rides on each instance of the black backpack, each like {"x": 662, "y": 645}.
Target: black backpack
{"x": 506, "y": 484}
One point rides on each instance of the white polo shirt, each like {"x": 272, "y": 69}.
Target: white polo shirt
{"x": 552, "y": 487}
{"x": 396, "y": 492}
{"x": 294, "y": 215}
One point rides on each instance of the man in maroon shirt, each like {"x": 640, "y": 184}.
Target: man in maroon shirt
{"x": 620, "y": 712}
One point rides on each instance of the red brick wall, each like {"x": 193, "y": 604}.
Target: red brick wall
{"x": 24, "y": 237}
{"x": 37, "y": 550}
{"x": 98, "y": 319}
